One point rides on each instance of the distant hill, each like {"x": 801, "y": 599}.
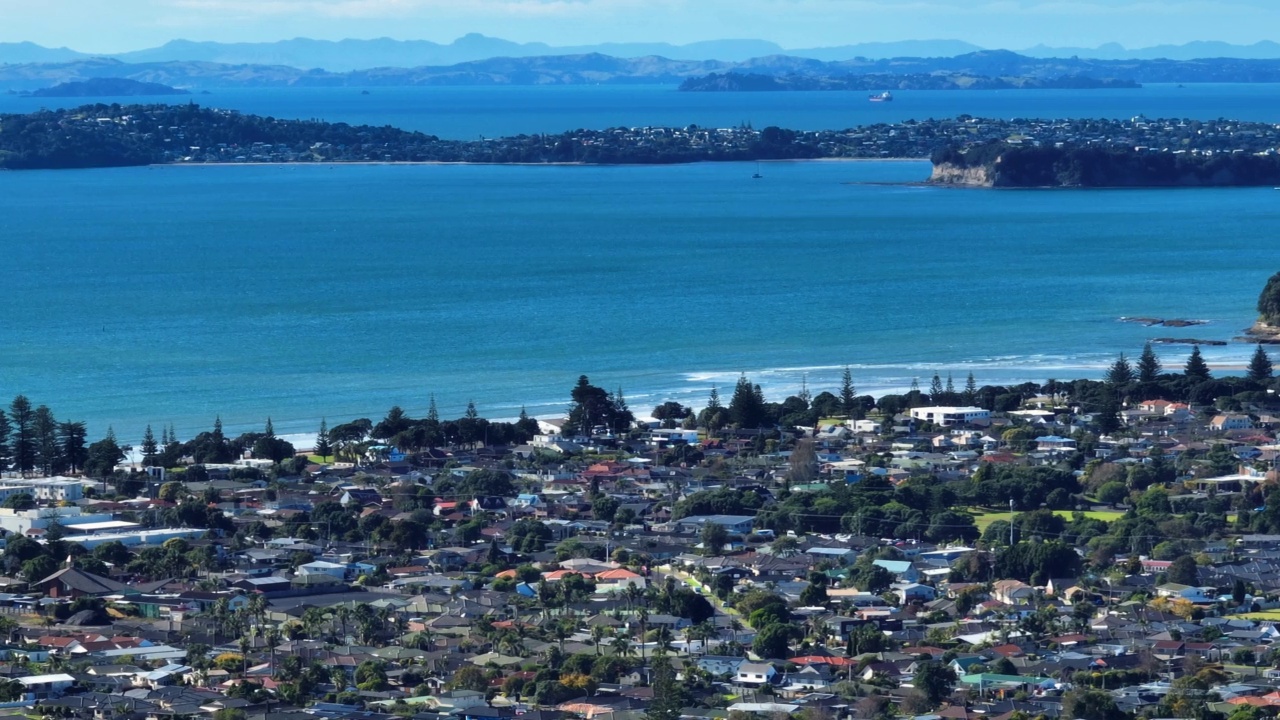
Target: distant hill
{"x": 107, "y": 87}
{"x": 595, "y": 68}
{"x": 351, "y": 55}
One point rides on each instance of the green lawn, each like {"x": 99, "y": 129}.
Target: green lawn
{"x": 1273, "y": 615}
{"x": 984, "y": 519}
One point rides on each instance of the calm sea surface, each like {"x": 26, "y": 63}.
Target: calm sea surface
{"x": 163, "y": 295}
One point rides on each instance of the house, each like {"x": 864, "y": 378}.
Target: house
{"x": 948, "y": 416}
{"x": 718, "y": 665}
{"x": 71, "y": 582}
{"x": 323, "y": 567}
{"x": 1012, "y": 592}
{"x": 44, "y": 687}
{"x": 903, "y": 570}
{"x": 912, "y": 592}
{"x": 750, "y": 673}
{"x": 618, "y": 579}
{"x": 734, "y": 524}
{"x": 1230, "y": 421}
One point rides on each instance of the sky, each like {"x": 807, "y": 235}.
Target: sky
{"x": 119, "y": 25}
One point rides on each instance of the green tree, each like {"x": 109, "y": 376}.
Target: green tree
{"x": 714, "y": 537}
{"x": 20, "y": 501}
{"x": 1269, "y": 301}
{"x": 1090, "y": 704}
{"x": 1260, "y": 368}
{"x": 1121, "y": 372}
{"x": 774, "y": 641}
{"x": 669, "y": 696}
{"x": 22, "y": 443}
{"x": 1183, "y": 571}
{"x": 1196, "y": 368}
{"x": 39, "y": 568}
{"x": 746, "y": 407}
{"x": 150, "y": 448}
{"x": 849, "y": 404}
{"x": 103, "y": 456}
{"x": 1148, "y": 365}
{"x": 324, "y": 446}
{"x": 1112, "y": 493}
{"x": 935, "y": 681}
{"x": 48, "y": 450}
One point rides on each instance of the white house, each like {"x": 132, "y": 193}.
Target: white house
{"x": 754, "y": 673}
{"x": 948, "y": 416}
{"x": 324, "y": 567}
{"x": 1230, "y": 421}
{"x": 43, "y": 687}
{"x": 717, "y": 665}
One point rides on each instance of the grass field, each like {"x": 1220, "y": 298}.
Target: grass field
{"x": 1272, "y": 615}
{"x": 984, "y": 519}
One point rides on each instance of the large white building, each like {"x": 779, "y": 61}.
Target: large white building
{"x": 20, "y": 521}
{"x": 53, "y": 489}
{"x": 948, "y": 416}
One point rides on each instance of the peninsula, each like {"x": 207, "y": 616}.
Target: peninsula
{"x": 1001, "y": 164}
{"x": 966, "y": 150}
{"x": 107, "y": 87}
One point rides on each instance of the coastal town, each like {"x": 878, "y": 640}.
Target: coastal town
{"x": 1085, "y": 549}
{"x": 120, "y": 135}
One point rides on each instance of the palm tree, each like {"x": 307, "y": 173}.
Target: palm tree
{"x": 663, "y": 638}
{"x": 621, "y": 645}
{"x": 644, "y": 621}
{"x": 598, "y": 633}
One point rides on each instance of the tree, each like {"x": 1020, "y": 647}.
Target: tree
{"x": 1121, "y": 372}
{"x": 669, "y": 696}
{"x": 849, "y": 404}
{"x": 773, "y": 641}
{"x": 1269, "y": 301}
{"x": 746, "y": 407}
{"x": 935, "y": 681}
{"x": 150, "y": 448}
{"x": 20, "y": 501}
{"x": 22, "y": 444}
{"x": 1090, "y": 704}
{"x": 970, "y": 391}
{"x": 714, "y": 537}
{"x": 324, "y": 446}
{"x": 1112, "y": 492}
{"x": 1260, "y": 368}
{"x": 103, "y": 456}
{"x": 1148, "y": 365}
{"x": 1196, "y": 369}
{"x": 1183, "y": 571}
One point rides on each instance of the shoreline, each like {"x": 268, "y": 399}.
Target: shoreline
{"x": 412, "y": 163}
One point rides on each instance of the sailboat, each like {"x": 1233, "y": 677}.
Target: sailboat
{"x": 757, "y": 174}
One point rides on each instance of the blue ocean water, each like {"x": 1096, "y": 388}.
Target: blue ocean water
{"x": 171, "y": 295}
{"x": 470, "y": 112}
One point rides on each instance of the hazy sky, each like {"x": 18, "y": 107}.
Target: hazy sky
{"x": 115, "y": 25}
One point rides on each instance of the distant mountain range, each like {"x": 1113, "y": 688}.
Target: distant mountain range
{"x": 350, "y": 55}
{"x": 603, "y": 69}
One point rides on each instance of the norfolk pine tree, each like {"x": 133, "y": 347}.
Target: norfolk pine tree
{"x": 1260, "y": 368}
{"x": 1196, "y": 368}
{"x": 1148, "y": 365}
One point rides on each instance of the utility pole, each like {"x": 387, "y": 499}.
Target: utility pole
{"x": 1010, "y": 522}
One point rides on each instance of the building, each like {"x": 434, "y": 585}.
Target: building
{"x": 44, "y": 687}
{"x": 20, "y": 521}
{"x": 735, "y": 524}
{"x": 948, "y": 416}
{"x": 1230, "y": 421}
{"x": 53, "y": 489}
{"x": 71, "y": 582}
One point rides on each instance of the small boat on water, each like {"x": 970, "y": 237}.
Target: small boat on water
{"x": 757, "y": 174}
{"x": 885, "y": 96}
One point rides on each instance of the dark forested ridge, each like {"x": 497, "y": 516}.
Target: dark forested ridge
{"x": 1087, "y": 153}
{"x": 738, "y": 82}
{"x": 107, "y": 87}
{"x": 999, "y": 164}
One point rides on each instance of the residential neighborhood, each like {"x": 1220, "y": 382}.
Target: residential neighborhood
{"x": 1065, "y": 550}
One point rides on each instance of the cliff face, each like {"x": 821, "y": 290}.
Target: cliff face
{"x": 951, "y": 174}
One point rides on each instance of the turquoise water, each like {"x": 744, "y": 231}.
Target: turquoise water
{"x": 163, "y": 295}
{"x": 469, "y": 112}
